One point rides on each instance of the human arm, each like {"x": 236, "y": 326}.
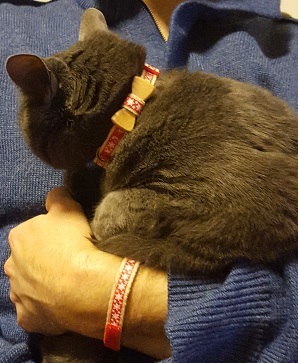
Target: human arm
{"x": 60, "y": 282}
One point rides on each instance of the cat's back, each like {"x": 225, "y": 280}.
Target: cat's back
{"x": 225, "y": 153}
{"x": 202, "y": 117}
{"x": 197, "y": 114}
{"x": 203, "y": 127}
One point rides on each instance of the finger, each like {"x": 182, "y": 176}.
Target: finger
{"x": 23, "y": 319}
{"x": 62, "y": 206}
{"x": 14, "y": 298}
{"x": 60, "y": 200}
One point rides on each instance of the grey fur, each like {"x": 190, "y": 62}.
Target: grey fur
{"x": 208, "y": 176}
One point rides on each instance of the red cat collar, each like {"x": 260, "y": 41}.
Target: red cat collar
{"x": 124, "y": 119}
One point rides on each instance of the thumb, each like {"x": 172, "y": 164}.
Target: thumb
{"x": 63, "y": 207}
{"x": 60, "y": 200}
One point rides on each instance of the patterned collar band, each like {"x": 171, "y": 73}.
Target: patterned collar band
{"x": 124, "y": 119}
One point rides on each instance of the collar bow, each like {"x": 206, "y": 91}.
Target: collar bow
{"x": 124, "y": 119}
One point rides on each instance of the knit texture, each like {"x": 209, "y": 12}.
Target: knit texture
{"x": 251, "y": 314}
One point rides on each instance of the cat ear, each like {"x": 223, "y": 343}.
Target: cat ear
{"x": 92, "y": 20}
{"x": 30, "y": 73}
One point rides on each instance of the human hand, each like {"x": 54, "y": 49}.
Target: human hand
{"x": 50, "y": 255}
{"x": 59, "y": 281}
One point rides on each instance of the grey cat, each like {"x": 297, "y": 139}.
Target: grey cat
{"x": 208, "y": 176}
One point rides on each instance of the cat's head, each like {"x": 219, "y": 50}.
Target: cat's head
{"x": 67, "y": 100}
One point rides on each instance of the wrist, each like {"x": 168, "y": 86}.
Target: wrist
{"x": 146, "y": 314}
{"x": 94, "y": 274}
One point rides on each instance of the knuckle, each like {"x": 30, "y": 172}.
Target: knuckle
{"x": 7, "y": 268}
{"x": 11, "y": 235}
{"x": 14, "y": 236}
{"x": 13, "y": 297}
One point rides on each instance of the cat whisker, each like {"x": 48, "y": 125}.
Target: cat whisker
{"x": 83, "y": 127}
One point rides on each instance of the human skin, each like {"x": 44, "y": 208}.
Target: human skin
{"x": 60, "y": 282}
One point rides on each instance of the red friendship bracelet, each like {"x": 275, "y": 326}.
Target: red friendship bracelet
{"x": 117, "y": 303}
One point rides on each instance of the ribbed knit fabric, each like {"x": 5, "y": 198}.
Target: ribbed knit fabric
{"x": 251, "y": 314}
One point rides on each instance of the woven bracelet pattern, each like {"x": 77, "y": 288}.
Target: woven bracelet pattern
{"x": 117, "y": 303}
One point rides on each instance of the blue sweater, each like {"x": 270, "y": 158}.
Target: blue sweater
{"x": 251, "y": 314}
